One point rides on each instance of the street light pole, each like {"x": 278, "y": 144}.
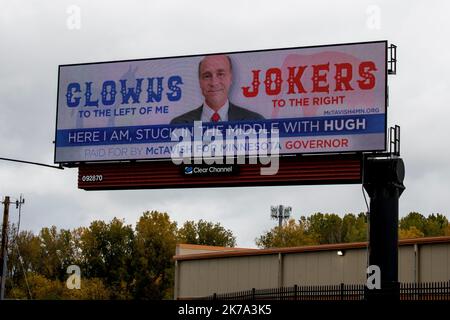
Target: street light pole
{"x": 281, "y": 213}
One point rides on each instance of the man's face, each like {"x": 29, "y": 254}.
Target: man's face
{"x": 215, "y": 80}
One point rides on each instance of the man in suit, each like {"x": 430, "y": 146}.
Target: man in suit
{"x": 215, "y": 77}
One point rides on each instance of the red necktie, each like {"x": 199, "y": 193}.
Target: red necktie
{"x": 215, "y": 117}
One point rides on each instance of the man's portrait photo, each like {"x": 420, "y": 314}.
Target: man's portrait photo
{"x": 215, "y": 75}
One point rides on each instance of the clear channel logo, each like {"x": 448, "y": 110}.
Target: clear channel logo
{"x": 188, "y": 170}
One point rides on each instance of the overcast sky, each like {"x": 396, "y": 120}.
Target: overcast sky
{"x": 37, "y": 36}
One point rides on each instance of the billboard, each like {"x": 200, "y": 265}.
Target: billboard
{"x": 319, "y": 99}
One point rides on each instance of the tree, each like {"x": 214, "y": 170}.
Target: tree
{"x": 40, "y": 287}
{"x": 107, "y": 254}
{"x": 91, "y": 289}
{"x": 354, "y": 229}
{"x": 291, "y": 234}
{"x": 57, "y": 252}
{"x": 317, "y": 229}
{"x": 435, "y": 225}
{"x": 27, "y": 262}
{"x": 325, "y": 228}
{"x": 410, "y": 233}
{"x": 29, "y": 247}
{"x": 413, "y": 219}
{"x": 447, "y": 230}
{"x": 154, "y": 247}
{"x": 206, "y": 233}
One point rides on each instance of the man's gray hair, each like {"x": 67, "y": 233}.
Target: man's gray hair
{"x": 228, "y": 58}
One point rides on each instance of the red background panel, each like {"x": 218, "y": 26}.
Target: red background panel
{"x": 294, "y": 170}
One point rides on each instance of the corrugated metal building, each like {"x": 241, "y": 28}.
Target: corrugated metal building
{"x": 203, "y": 270}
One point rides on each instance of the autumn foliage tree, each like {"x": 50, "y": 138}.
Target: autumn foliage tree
{"x": 292, "y": 234}
{"x": 107, "y": 254}
{"x": 154, "y": 248}
{"x": 116, "y": 260}
{"x": 327, "y": 228}
{"x": 415, "y": 225}
{"x": 206, "y": 233}
{"x": 316, "y": 229}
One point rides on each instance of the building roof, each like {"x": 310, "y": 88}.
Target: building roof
{"x": 183, "y": 249}
{"x": 222, "y": 252}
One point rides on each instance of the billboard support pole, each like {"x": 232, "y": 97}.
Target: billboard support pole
{"x": 383, "y": 181}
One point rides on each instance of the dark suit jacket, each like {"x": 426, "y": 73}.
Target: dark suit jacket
{"x": 235, "y": 113}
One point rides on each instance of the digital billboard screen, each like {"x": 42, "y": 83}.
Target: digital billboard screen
{"x": 320, "y": 99}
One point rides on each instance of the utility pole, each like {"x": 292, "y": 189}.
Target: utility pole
{"x": 4, "y": 248}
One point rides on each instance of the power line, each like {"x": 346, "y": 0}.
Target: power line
{"x": 33, "y": 163}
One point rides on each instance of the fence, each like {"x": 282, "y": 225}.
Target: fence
{"x": 345, "y": 292}
{"x": 425, "y": 291}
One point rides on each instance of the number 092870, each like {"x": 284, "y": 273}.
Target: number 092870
{"x": 92, "y": 178}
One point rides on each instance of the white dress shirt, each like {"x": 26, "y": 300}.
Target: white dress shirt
{"x": 207, "y": 112}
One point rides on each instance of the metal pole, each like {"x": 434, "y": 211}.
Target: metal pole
{"x": 4, "y": 248}
{"x": 280, "y": 221}
{"x": 383, "y": 180}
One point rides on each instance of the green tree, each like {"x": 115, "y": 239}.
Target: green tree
{"x": 57, "y": 252}
{"x": 325, "y": 228}
{"x": 435, "y": 225}
{"x": 154, "y": 247}
{"x": 29, "y": 247}
{"x": 354, "y": 229}
{"x": 107, "y": 254}
{"x": 413, "y": 219}
{"x": 29, "y": 261}
{"x": 206, "y": 233}
{"x": 291, "y": 234}
{"x": 316, "y": 229}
